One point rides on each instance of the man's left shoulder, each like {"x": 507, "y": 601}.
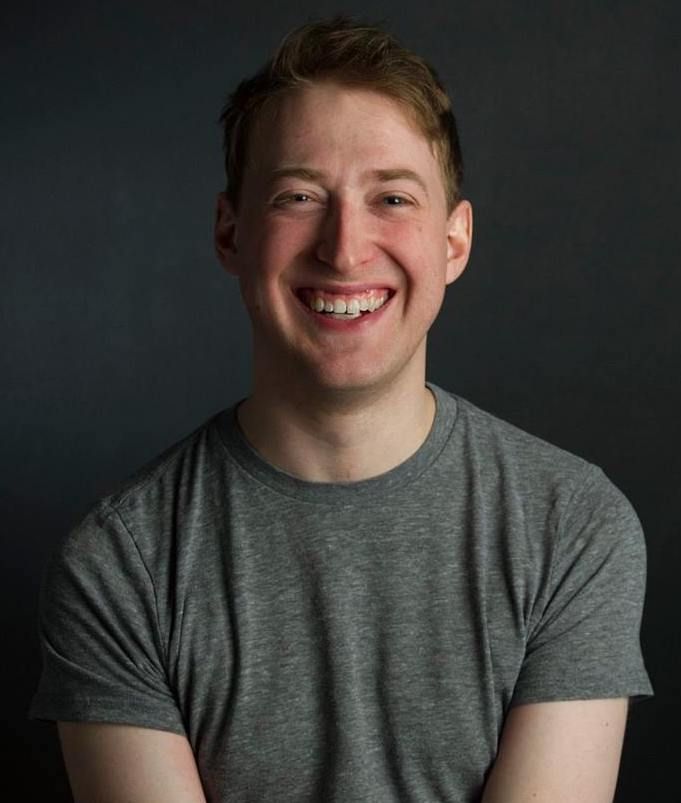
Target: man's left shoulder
{"x": 505, "y": 453}
{"x": 488, "y": 431}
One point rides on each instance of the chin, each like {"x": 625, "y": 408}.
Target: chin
{"x": 349, "y": 380}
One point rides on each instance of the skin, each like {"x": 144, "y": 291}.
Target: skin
{"x": 124, "y": 764}
{"x": 559, "y": 752}
{"x": 315, "y": 211}
{"x": 337, "y": 403}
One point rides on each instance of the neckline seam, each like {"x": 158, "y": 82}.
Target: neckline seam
{"x": 267, "y": 476}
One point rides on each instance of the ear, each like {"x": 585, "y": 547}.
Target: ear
{"x": 225, "y": 234}
{"x": 459, "y": 239}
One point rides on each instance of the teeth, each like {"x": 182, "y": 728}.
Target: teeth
{"x": 350, "y": 306}
{"x": 344, "y": 316}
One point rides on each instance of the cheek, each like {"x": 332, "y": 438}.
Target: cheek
{"x": 425, "y": 268}
{"x": 413, "y": 234}
{"x": 278, "y": 243}
{"x": 422, "y": 253}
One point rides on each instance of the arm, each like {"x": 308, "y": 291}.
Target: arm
{"x": 125, "y": 764}
{"x": 559, "y": 752}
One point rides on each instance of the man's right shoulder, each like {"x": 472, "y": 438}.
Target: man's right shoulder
{"x": 155, "y": 487}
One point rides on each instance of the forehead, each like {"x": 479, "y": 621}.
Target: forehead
{"x": 330, "y": 122}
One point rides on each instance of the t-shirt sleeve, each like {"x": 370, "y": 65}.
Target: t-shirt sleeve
{"x": 103, "y": 649}
{"x": 584, "y": 640}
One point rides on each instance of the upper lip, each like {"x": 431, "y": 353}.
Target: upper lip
{"x": 345, "y": 289}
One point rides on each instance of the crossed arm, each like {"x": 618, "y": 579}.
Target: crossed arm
{"x": 562, "y": 752}
{"x": 126, "y": 764}
{"x": 558, "y": 752}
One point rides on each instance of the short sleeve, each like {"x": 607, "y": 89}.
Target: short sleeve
{"x": 102, "y": 647}
{"x": 584, "y": 641}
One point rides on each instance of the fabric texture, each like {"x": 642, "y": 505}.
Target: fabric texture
{"x": 352, "y": 641}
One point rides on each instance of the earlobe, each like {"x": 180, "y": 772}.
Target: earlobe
{"x": 225, "y": 234}
{"x": 459, "y": 239}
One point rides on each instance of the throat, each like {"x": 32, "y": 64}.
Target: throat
{"x": 327, "y": 447}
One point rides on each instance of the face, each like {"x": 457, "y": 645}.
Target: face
{"x": 342, "y": 242}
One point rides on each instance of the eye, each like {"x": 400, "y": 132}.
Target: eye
{"x": 395, "y": 200}
{"x": 296, "y": 198}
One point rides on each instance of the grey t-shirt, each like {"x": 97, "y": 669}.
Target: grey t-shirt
{"x": 354, "y": 641}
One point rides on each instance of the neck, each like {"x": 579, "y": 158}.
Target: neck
{"x": 327, "y": 436}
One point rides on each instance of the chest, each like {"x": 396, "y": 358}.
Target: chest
{"x": 374, "y": 642}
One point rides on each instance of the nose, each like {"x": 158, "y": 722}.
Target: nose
{"x": 345, "y": 238}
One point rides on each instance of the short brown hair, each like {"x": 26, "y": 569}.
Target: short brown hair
{"x": 353, "y": 54}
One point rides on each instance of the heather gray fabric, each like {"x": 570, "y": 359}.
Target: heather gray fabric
{"x": 346, "y": 642}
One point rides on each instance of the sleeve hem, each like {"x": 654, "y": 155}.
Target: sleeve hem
{"x": 107, "y": 711}
{"x": 634, "y": 694}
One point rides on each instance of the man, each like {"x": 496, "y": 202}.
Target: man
{"x": 352, "y": 586}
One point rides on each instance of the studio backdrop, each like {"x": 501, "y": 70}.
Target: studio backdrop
{"x": 121, "y": 332}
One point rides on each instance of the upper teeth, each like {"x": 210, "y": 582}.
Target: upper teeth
{"x": 349, "y": 305}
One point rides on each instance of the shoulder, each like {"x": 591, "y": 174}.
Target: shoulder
{"x": 501, "y": 451}
{"x": 144, "y": 504}
{"x": 534, "y": 474}
{"x": 508, "y": 442}
{"x": 182, "y": 463}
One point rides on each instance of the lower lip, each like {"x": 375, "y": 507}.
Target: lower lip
{"x": 352, "y": 325}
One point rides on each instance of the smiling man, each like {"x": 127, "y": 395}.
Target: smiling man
{"x": 343, "y": 238}
{"x": 352, "y": 585}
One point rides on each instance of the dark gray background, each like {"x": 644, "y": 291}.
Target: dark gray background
{"x": 121, "y": 333}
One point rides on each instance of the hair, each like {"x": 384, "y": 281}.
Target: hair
{"x": 353, "y": 54}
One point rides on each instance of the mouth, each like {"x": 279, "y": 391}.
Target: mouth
{"x": 344, "y": 306}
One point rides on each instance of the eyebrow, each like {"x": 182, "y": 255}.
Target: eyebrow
{"x": 384, "y": 175}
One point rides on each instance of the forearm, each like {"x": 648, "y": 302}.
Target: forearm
{"x": 559, "y": 752}
{"x": 125, "y": 764}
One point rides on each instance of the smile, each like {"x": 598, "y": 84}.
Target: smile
{"x": 344, "y": 306}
